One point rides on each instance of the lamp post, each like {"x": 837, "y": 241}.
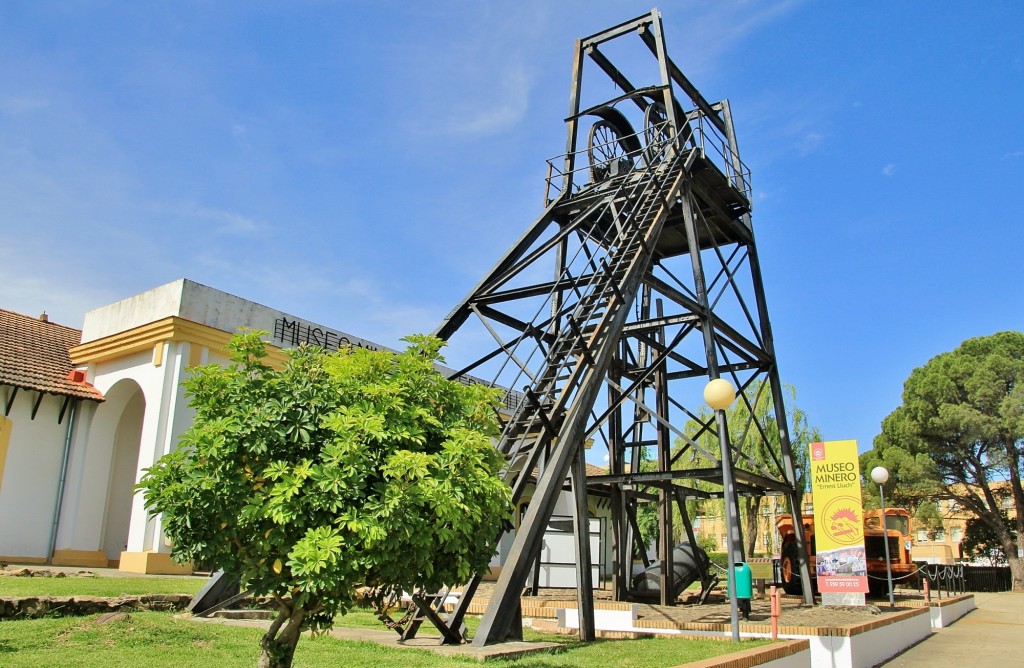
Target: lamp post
{"x": 880, "y": 474}
{"x": 719, "y": 395}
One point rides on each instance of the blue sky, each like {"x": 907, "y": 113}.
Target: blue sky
{"x": 362, "y": 164}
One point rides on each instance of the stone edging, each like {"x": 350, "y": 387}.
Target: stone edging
{"x": 34, "y": 607}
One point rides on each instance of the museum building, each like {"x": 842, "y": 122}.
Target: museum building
{"x": 84, "y": 413}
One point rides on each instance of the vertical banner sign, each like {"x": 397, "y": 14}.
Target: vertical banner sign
{"x": 838, "y": 518}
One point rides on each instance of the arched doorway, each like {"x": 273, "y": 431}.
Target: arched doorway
{"x": 127, "y": 406}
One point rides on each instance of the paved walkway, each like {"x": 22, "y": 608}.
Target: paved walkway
{"x": 991, "y": 635}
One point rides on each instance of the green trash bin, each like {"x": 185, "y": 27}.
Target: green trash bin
{"x": 744, "y": 581}
{"x": 744, "y": 587}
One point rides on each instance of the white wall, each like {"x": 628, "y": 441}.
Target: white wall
{"x": 142, "y": 419}
{"x": 28, "y": 491}
{"x": 200, "y": 304}
{"x": 85, "y": 492}
{"x": 123, "y": 476}
{"x": 598, "y": 513}
{"x": 163, "y": 419}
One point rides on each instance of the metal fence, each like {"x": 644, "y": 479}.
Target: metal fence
{"x": 988, "y": 578}
{"x": 960, "y": 578}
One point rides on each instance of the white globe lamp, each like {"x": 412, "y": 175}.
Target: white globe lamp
{"x": 719, "y": 394}
{"x": 880, "y": 475}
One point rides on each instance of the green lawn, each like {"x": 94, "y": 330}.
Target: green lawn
{"x": 98, "y": 586}
{"x": 156, "y": 640}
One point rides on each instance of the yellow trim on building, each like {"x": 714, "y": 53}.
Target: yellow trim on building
{"x": 5, "y": 440}
{"x": 154, "y": 335}
{"x": 87, "y": 558}
{"x": 152, "y": 563}
{"x": 195, "y": 354}
{"x": 22, "y": 560}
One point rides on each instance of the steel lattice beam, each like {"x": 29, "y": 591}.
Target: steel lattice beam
{"x": 638, "y": 282}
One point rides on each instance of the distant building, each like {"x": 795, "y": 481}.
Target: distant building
{"x": 944, "y": 546}
{"x": 940, "y": 546}
{"x": 710, "y": 526}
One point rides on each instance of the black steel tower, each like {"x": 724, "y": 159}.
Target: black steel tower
{"x": 637, "y": 284}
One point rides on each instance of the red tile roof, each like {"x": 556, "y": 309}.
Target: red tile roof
{"x": 34, "y": 356}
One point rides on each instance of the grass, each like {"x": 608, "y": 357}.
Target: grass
{"x": 98, "y": 586}
{"x": 158, "y": 639}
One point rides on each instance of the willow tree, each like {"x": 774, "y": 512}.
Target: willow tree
{"x": 962, "y": 424}
{"x": 754, "y": 432}
{"x": 358, "y": 467}
{"x": 764, "y": 447}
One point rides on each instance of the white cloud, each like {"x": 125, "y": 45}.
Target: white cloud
{"x": 64, "y": 300}
{"x": 509, "y": 104}
{"x": 1013, "y": 154}
{"x": 718, "y": 27}
{"x": 230, "y": 223}
{"x": 354, "y": 299}
{"x": 889, "y": 169}
{"x": 810, "y": 142}
{"x": 22, "y": 104}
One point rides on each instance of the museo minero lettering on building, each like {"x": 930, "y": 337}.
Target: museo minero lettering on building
{"x": 290, "y": 333}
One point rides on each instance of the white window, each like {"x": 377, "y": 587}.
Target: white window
{"x": 940, "y": 534}
{"x": 922, "y": 535}
{"x": 956, "y": 534}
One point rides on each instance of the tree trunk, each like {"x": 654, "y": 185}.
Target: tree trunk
{"x": 1016, "y": 571}
{"x": 772, "y": 530}
{"x": 751, "y": 527}
{"x": 278, "y": 644}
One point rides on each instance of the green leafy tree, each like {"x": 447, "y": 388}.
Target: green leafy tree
{"x": 980, "y": 541}
{"x": 360, "y": 467}
{"x": 928, "y": 518}
{"x": 647, "y": 515}
{"x": 961, "y": 427}
{"x": 912, "y": 476}
{"x": 707, "y": 542}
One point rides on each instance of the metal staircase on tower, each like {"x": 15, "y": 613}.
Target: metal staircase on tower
{"x": 638, "y": 282}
